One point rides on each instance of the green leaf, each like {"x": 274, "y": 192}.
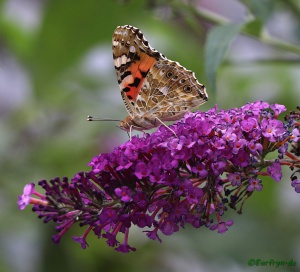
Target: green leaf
{"x": 17, "y": 39}
{"x": 218, "y": 42}
{"x": 261, "y": 9}
{"x": 253, "y": 28}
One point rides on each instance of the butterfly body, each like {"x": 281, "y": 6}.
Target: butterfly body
{"x": 154, "y": 89}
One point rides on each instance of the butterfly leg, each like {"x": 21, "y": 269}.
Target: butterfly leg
{"x": 166, "y": 126}
{"x": 128, "y": 135}
{"x": 130, "y": 132}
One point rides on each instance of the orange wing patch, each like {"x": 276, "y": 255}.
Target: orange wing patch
{"x": 135, "y": 76}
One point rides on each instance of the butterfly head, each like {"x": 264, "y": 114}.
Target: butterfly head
{"x": 137, "y": 123}
{"x": 126, "y": 123}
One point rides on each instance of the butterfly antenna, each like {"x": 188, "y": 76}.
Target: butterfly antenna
{"x": 91, "y": 118}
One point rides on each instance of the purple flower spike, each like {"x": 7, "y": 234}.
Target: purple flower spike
{"x": 209, "y": 162}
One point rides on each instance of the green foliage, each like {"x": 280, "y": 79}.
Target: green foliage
{"x": 261, "y": 9}
{"x": 254, "y": 28}
{"x": 68, "y": 31}
{"x": 49, "y": 92}
{"x": 217, "y": 45}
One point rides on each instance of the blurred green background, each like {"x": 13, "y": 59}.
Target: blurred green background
{"x": 56, "y": 68}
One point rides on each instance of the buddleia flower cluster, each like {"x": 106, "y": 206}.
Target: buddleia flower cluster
{"x": 163, "y": 181}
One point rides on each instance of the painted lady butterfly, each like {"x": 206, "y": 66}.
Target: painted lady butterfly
{"x": 154, "y": 89}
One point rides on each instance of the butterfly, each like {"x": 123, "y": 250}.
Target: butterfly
{"x": 154, "y": 89}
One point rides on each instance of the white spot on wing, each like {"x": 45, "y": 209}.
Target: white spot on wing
{"x": 123, "y": 59}
{"x": 126, "y": 81}
{"x": 132, "y": 49}
{"x": 117, "y": 62}
{"x": 164, "y": 90}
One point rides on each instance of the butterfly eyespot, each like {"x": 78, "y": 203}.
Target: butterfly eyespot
{"x": 175, "y": 77}
{"x": 169, "y": 74}
{"x": 182, "y": 80}
{"x": 187, "y": 89}
{"x": 155, "y": 100}
{"x": 171, "y": 95}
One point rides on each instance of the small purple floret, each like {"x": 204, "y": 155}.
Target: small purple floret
{"x": 222, "y": 226}
{"x": 296, "y": 185}
{"x": 275, "y": 171}
{"x": 24, "y": 199}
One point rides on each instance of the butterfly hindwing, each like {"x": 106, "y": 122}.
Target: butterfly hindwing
{"x": 169, "y": 91}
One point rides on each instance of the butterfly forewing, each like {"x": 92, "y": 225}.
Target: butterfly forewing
{"x": 151, "y": 85}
